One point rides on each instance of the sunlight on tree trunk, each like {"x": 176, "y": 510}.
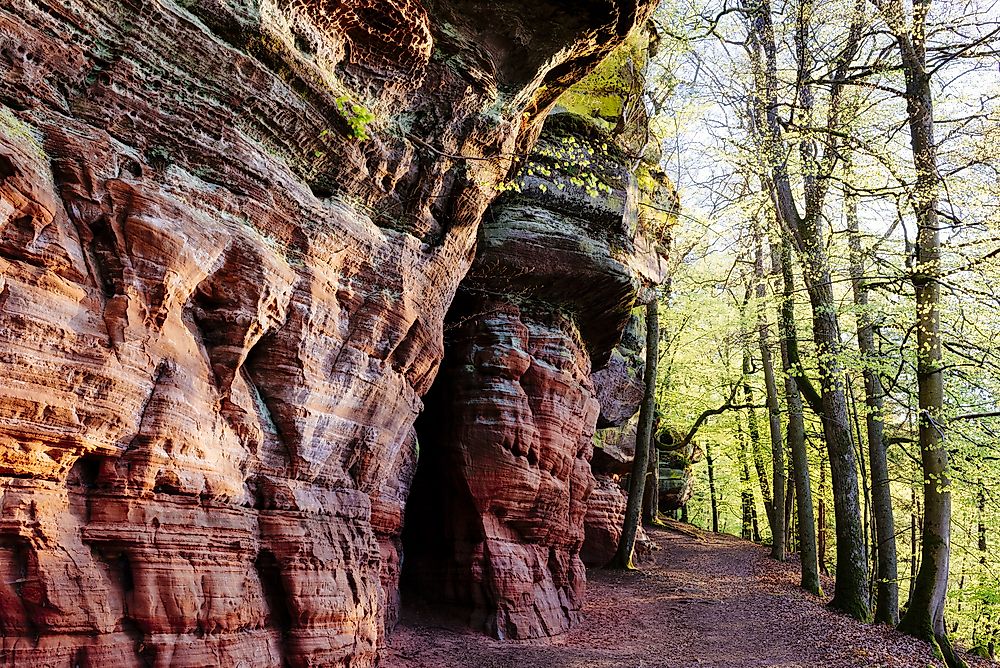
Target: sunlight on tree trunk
{"x": 887, "y": 586}
{"x": 796, "y": 431}
{"x": 777, "y": 513}
{"x": 924, "y": 615}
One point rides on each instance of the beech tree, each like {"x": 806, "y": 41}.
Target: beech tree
{"x": 807, "y": 231}
{"x": 795, "y": 421}
{"x": 773, "y": 409}
{"x": 925, "y": 612}
{"x": 877, "y": 153}
{"x": 887, "y": 584}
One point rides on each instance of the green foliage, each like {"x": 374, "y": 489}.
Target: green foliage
{"x": 356, "y": 115}
{"x": 572, "y": 161}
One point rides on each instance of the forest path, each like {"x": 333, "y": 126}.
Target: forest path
{"x": 706, "y": 600}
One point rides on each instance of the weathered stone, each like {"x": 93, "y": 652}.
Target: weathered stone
{"x": 504, "y": 477}
{"x": 509, "y": 472}
{"x": 676, "y": 475}
{"x": 229, "y": 234}
{"x": 620, "y": 384}
{"x": 603, "y": 525}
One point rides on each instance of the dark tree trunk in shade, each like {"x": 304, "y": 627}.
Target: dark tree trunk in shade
{"x": 651, "y": 496}
{"x": 713, "y": 499}
{"x": 823, "y": 568}
{"x": 751, "y": 530}
{"x": 980, "y": 522}
{"x": 633, "y": 508}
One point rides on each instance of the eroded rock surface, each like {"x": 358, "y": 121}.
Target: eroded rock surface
{"x": 229, "y": 234}
{"x": 619, "y": 384}
{"x": 676, "y": 475}
{"x": 504, "y": 477}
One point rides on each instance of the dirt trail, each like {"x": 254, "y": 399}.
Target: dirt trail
{"x": 707, "y": 600}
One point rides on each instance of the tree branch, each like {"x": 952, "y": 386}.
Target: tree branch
{"x": 728, "y": 406}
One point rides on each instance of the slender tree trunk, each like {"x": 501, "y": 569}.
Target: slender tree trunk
{"x": 790, "y": 544}
{"x": 887, "y": 591}
{"x": 751, "y": 531}
{"x": 914, "y": 540}
{"x": 753, "y": 429}
{"x": 754, "y": 519}
{"x": 958, "y": 596}
{"x": 651, "y": 508}
{"x": 981, "y": 522}
{"x": 710, "y": 461}
{"x": 924, "y": 616}
{"x": 777, "y": 513}
{"x": 851, "y": 587}
{"x": 796, "y": 431}
{"x": 651, "y": 496}
{"x": 651, "y": 499}
{"x": 633, "y": 507}
{"x": 823, "y": 568}
{"x": 867, "y": 524}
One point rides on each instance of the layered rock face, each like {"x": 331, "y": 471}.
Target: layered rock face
{"x": 612, "y": 464}
{"x": 229, "y": 234}
{"x": 676, "y": 477}
{"x": 619, "y": 390}
{"x": 501, "y": 493}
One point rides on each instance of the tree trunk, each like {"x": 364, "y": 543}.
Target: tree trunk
{"x": 823, "y": 568}
{"x": 751, "y": 529}
{"x": 790, "y": 545}
{"x": 981, "y": 523}
{"x": 633, "y": 507}
{"x": 753, "y": 429}
{"x": 887, "y": 589}
{"x": 651, "y": 497}
{"x": 851, "y": 589}
{"x": 914, "y": 540}
{"x": 867, "y": 524}
{"x": 796, "y": 431}
{"x": 711, "y": 487}
{"x": 924, "y": 616}
{"x": 777, "y": 512}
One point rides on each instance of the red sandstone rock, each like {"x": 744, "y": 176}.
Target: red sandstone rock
{"x": 504, "y": 478}
{"x": 220, "y": 306}
{"x": 514, "y": 455}
{"x": 603, "y": 522}
{"x": 620, "y": 384}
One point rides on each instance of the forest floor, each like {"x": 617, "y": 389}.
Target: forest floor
{"x": 704, "y": 600}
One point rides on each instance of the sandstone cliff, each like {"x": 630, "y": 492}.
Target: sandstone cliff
{"x": 505, "y": 476}
{"x": 229, "y": 234}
